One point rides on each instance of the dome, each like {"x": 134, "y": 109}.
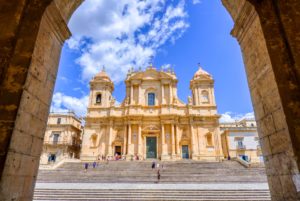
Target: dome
{"x": 102, "y": 75}
{"x": 202, "y": 74}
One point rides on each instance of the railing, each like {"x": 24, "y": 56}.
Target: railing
{"x": 240, "y": 147}
{"x": 238, "y": 128}
{"x": 58, "y": 143}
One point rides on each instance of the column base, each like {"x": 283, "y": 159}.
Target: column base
{"x": 174, "y": 157}
{"x": 129, "y": 157}
{"x": 165, "y": 157}
{"x": 195, "y": 157}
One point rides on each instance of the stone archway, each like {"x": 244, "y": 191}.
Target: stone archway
{"x": 33, "y": 32}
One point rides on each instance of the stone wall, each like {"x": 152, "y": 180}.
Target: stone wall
{"x": 270, "y": 108}
{"x": 30, "y": 45}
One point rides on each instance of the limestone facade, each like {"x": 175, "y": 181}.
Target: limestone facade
{"x": 152, "y": 122}
{"x": 240, "y": 139}
{"x": 62, "y": 138}
{"x": 268, "y": 32}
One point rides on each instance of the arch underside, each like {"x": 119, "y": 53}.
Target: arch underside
{"x": 267, "y": 34}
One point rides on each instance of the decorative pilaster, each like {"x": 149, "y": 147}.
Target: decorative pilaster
{"x": 192, "y": 140}
{"x": 177, "y": 140}
{"x": 110, "y": 128}
{"x": 140, "y": 150}
{"x": 163, "y": 142}
{"x": 162, "y": 94}
{"x": 171, "y": 93}
{"x": 125, "y": 140}
{"x": 131, "y": 94}
{"x": 173, "y": 141}
{"x": 129, "y": 146}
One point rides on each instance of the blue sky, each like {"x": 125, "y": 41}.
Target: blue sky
{"x": 122, "y": 34}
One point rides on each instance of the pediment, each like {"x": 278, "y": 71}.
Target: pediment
{"x": 151, "y": 128}
{"x": 151, "y": 75}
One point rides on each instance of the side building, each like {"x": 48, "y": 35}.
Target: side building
{"x": 62, "y": 138}
{"x": 152, "y": 122}
{"x": 240, "y": 139}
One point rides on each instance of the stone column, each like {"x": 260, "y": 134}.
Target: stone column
{"x": 140, "y": 145}
{"x": 162, "y": 94}
{"x": 198, "y": 96}
{"x": 163, "y": 142}
{"x": 171, "y": 93}
{"x": 125, "y": 140}
{"x": 192, "y": 141}
{"x": 129, "y": 146}
{"x": 110, "y": 150}
{"x": 131, "y": 94}
{"x": 177, "y": 141}
{"x": 213, "y": 100}
{"x": 173, "y": 141}
{"x": 27, "y": 69}
{"x": 268, "y": 34}
{"x": 139, "y": 94}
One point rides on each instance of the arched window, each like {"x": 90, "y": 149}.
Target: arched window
{"x": 209, "y": 141}
{"x": 55, "y": 138}
{"x": 98, "y": 98}
{"x": 204, "y": 97}
{"x": 151, "y": 99}
{"x": 94, "y": 139}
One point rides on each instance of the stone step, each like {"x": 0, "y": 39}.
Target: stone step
{"x": 143, "y": 194}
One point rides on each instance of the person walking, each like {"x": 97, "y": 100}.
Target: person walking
{"x": 157, "y": 166}
{"x": 158, "y": 176}
{"x": 94, "y": 164}
{"x": 153, "y": 165}
{"x": 86, "y": 166}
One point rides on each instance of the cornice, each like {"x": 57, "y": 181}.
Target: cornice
{"x": 243, "y": 21}
{"x": 57, "y": 23}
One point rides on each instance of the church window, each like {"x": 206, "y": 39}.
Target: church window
{"x": 58, "y": 120}
{"x": 239, "y": 142}
{"x": 209, "y": 142}
{"x": 55, "y": 138}
{"x": 94, "y": 139}
{"x": 98, "y": 98}
{"x": 204, "y": 97}
{"x": 151, "y": 99}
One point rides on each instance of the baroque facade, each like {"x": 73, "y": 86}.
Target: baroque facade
{"x": 62, "y": 138}
{"x": 152, "y": 122}
{"x": 240, "y": 139}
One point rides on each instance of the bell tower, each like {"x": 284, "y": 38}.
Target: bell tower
{"x": 202, "y": 86}
{"x": 101, "y": 89}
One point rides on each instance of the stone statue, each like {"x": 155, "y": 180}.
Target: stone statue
{"x": 113, "y": 101}
{"x": 190, "y": 100}
{"x": 126, "y": 102}
{"x": 175, "y": 100}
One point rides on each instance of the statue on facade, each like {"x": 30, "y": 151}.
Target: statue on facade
{"x": 113, "y": 101}
{"x": 190, "y": 100}
{"x": 126, "y": 102}
{"x": 175, "y": 101}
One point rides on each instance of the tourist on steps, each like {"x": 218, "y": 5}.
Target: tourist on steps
{"x": 94, "y": 164}
{"x": 158, "y": 176}
{"x": 86, "y": 166}
{"x": 153, "y": 165}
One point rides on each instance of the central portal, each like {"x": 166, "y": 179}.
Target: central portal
{"x": 151, "y": 147}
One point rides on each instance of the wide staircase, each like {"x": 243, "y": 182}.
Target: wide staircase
{"x": 183, "y": 180}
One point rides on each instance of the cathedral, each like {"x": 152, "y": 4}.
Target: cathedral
{"x": 152, "y": 122}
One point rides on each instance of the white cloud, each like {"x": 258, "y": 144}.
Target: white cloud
{"x": 64, "y": 103}
{"x": 196, "y": 2}
{"x": 123, "y": 34}
{"x": 229, "y": 117}
{"x": 166, "y": 66}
